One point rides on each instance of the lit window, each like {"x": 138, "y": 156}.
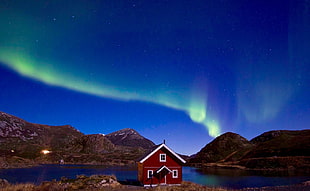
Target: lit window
{"x": 149, "y": 173}
{"x": 174, "y": 173}
{"x": 162, "y": 157}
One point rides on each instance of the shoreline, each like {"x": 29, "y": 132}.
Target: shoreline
{"x": 18, "y": 162}
{"x": 240, "y": 167}
{"x": 305, "y": 184}
{"x": 106, "y": 182}
{"x": 200, "y": 166}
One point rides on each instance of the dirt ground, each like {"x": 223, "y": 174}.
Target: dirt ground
{"x": 185, "y": 186}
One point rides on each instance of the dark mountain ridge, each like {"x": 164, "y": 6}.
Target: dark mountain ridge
{"x": 21, "y": 138}
{"x": 129, "y": 137}
{"x": 220, "y": 148}
{"x": 22, "y": 141}
{"x": 14, "y": 127}
{"x": 273, "y": 149}
{"x": 281, "y": 143}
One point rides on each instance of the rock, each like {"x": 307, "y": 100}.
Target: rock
{"x": 307, "y": 183}
{"x": 88, "y": 183}
{"x": 4, "y": 183}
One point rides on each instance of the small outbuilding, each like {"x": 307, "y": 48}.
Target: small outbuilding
{"x": 161, "y": 166}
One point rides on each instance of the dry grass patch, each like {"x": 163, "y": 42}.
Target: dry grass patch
{"x": 188, "y": 186}
{"x": 19, "y": 187}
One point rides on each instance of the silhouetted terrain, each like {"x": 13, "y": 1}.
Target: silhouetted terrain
{"x": 274, "y": 149}
{"x": 22, "y": 143}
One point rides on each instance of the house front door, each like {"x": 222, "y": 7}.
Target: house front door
{"x": 162, "y": 176}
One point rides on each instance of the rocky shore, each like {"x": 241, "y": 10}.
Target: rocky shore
{"x": 110, "y": 183}
{"x": 16, "y": 162}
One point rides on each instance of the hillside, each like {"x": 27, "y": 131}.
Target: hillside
{"x": 281, "y": 143}
{"x": 129, "y": 137}
{"x": 273, "y": 149}
{"x": 95, "y": 143}
{"x": 22, "y": 143}
{"x": 220, "y": 148}
{"x": 21, "y": 138}
{"x": 279, "y": 149}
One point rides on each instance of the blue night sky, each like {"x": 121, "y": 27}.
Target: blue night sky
{"x": 184, "y": 71}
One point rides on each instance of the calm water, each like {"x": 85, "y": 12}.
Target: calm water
{"x": 234, "y": 178}
{"x": 211, "y": 177}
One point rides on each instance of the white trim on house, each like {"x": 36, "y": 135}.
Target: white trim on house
{"x": 159, "y": 147}
{"x": 150, "y": 173}
{"x": 162, "y": 157}
{"x": 154, "y": 185}
{"x": 175, "y": 175}
{"x": 162, "y": 168}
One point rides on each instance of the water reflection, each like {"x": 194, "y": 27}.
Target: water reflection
{"x": 232, "y": 178}
{"x": 239, "y": 172}
{"x": 235, "y": 178}
{"x": 42, "y": 173}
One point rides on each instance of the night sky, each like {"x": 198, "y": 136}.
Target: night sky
{"x": 184, "y": 71}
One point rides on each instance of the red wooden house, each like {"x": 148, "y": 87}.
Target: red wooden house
{"x": 160, "y": 166}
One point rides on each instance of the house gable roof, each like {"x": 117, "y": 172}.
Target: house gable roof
{"x": 158, "y": 148}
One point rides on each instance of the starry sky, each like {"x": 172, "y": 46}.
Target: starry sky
{"x": 179, "y": 70}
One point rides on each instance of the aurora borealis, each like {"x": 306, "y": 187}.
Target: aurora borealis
{"x": 174, "y": 70}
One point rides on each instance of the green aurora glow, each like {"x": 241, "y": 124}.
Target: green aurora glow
{"x": 194, "y": 108}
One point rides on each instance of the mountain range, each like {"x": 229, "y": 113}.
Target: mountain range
{"x": 280, "y": 149}
{"x": 22, "y": 144}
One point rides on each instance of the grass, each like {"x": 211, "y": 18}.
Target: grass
{"x": 53, "y": 186}
{"x": 19, "y": 187}
{"x": 87, "y": 184}
{"x": 188, "y": 186}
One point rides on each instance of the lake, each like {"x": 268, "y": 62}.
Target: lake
{"x": 211, "y": 177}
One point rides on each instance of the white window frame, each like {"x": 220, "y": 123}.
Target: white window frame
{"x": 176, "y": 175}
{"x": 150, "y": 173}
{"x": 162, "y": 160}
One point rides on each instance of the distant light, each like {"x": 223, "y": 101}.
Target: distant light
{"x": 12, "y": 151}
{"x": 46, "y": 152}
